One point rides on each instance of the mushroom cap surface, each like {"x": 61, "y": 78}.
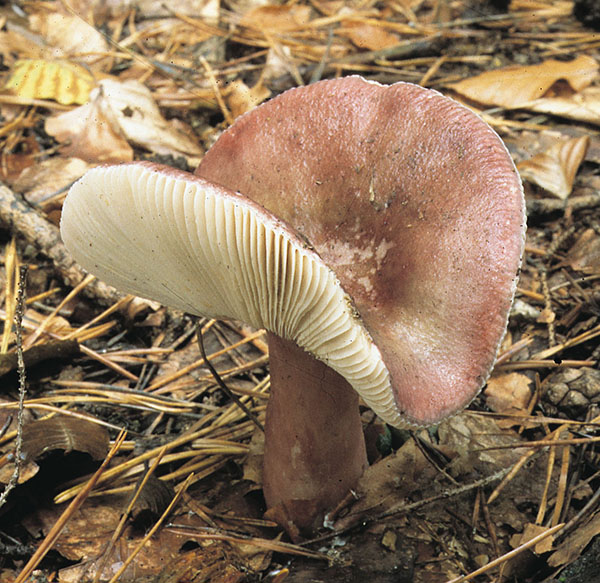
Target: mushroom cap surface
{"x": 416, "y": 206}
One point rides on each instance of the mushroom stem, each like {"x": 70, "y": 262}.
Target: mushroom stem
{"x": 314, "y": 444}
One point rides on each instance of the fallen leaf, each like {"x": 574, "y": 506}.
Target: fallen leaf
{"x": 369, "y": 37}
{"x": 120, "y": 112}
{"x": 13, "y": 163}
{"x": 389, "y": 540}
{"x": 584, "y": 255}
{"x": 141, "y": 122}
{"x": 531, "y": 531}
{"x": 66, "y": 433}
{"x": 242, "y": 98}
{"x": 555, "y": 168}
{"x": 13, "y": 43}
{"x": 508, "y": 393}
{"x": 519, "y": 86}
{"x": 253, "y": 462}
{"x": 279, "y": 62}
{"x": 388, "y": 482}
{"x": 48, "y": 177}
{"x": 277, "y": 18}
{"x": 89, "y": 530}
{"x": 91, "y": 132}
{"x": 547, "y": 316}
{"x": 57, "y": 325}
{"x": 61, "y": 81}
{"x": 582, "y": 106}
{"x": 70, "y": 35}
{"x": 573, "y": 545}
{"x": 466, "y": 438}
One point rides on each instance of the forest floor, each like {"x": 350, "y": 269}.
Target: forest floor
{"x": 117, "y": 399}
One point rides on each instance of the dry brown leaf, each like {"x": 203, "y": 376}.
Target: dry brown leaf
{"x": 466, "y": 437}
{"x": 242, "y": 98}
{"x": 12, "y": 43}
{"x": 13, "y": 163}
{"x": 508, "y": 393}
{"x": 91, "y": 132}
{"x": 584, "y": 255}
{"x": 92, "y": 526}
{"x": 276, "y": 18}
{"x": 120, "y": 112}
{"x": 28, "y": 470}
{"x": 531, "y": 531}
{"x": 279, "y": 62}
{"x": 369, "y": 37}
{"x": 253, "y": 462}
{"x": 390, "y": 480}
{"x": 519, "y": 86}
{"x": 582, "y": 106}
{"x": 389, "y": 540}
{"x": 574, "y": 544}
{"x": 463, "y": 439}
{"x": 48, "y": 177}
{"x": 70, "y": 35}
{"x": 66, "y": 433}
{"x": 555, "y": 169}
{"x": 141, "y": 122}
{"x": 547, "y": 316}
{"x": 138, "y": 305}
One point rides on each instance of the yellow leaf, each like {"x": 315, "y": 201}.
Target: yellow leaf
{"x": 60, "y": 81}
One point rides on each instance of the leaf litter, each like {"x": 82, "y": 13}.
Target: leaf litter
{"x": 507, "y": 491}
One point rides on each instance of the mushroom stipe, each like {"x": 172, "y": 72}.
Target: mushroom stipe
{"x": 375, "y": 231}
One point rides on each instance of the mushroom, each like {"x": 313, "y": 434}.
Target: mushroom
{"x": 377, "y": 238}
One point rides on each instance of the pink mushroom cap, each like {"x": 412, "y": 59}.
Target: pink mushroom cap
{"x": 416, "y": 206}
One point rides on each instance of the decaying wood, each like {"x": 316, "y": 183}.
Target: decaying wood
{"x": 52, "y": 349}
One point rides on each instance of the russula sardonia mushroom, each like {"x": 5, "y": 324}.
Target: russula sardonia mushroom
{"x": 377, "y": 237}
